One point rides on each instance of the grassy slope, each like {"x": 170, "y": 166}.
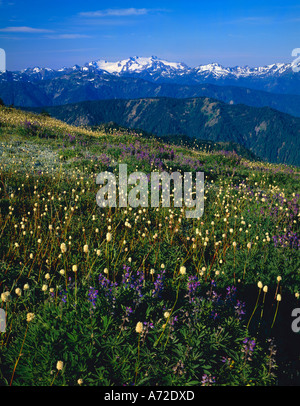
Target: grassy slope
{"x": 270, "y": 134}
{"x": 48, "y": 171}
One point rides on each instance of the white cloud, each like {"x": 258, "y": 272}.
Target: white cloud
{"x": 119, "y": 12}
{"x": 68, "y": 36}
{"x": 24, "y": 29}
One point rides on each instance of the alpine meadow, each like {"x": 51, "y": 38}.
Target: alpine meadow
{"x": 148, "y": 295}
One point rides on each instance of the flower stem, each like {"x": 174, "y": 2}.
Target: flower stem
{"x": 20, "y": 353}
{"x": 168, "y": 316}
{"x": 54, "y": 378}
{"x": 137, "y": 362}
{"x": 275, "y": 314}
{"x": 254, "y": 309}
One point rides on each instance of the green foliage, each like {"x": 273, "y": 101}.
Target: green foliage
{"x": 269, "y": 134}
{"x": 206, "y": 324}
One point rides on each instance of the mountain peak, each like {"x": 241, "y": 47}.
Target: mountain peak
{"x": 137, "y": 64}
{"x": 155, "y": 68}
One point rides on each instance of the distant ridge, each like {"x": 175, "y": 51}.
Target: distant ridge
{"x": 276, "y": 77}
{"x": 74, "y": 85}
{"x": 271, "y": 135}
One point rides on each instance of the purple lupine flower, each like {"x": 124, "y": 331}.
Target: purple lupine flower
{"x": 133, "y": 282}
{"x": 174, "y": 320}
{"x": 107, "y": 286}
{"x": 193, "y": 288}
{"x": 148, "y": 324}
{"x": 290, "y": 239}
{"x": 128, "y": 311}
{"x": 158, "y": 284}
{"x": 92, "y": 296}
{"x": 239, "y": 309}
{"x": 207, "y": 380}
{"x": 248, "y": 348}
{"x": 126, "y": 276}
{"x": 230, "y": 292}
{"x": 214, "y": 315}
{"x": 214, "y": 297}
{"x": 62, "y": 294}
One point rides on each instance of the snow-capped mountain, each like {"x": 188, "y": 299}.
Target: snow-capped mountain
{"x": 219, "y": 71}
{"x": 139, "y": 64}
{"x": 150, "y": 77}
{"x": 276, "y": 78}
{"x": 155, "y": 69}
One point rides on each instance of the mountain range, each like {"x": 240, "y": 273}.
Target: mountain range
{"x": 276, "y": 85}
{"x": 269, "y": 134}
{"x": 257, "y": 108}
{"x": 155, "y": 69}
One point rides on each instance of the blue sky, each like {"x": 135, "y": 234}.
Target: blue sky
{"x": 63, "y": 33}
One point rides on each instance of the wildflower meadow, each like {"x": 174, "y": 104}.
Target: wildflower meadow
{"x": 123, "y": 296}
